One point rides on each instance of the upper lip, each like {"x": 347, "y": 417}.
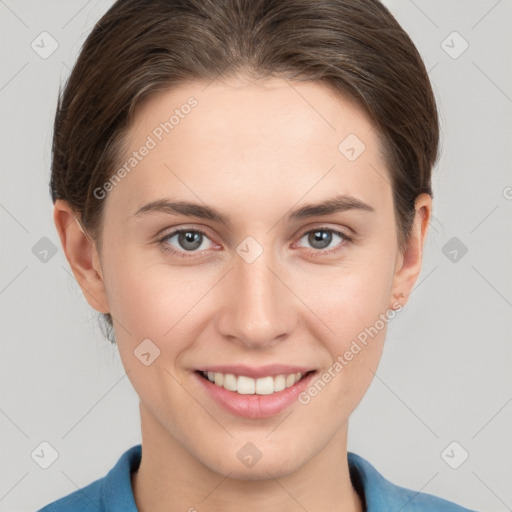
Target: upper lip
{"x": 257, "y": 372}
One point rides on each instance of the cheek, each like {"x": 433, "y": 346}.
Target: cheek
{"x": 353, "y": 306}
{"x": 139, "y": 290}
{"x": 156, "y": 300}
{"x": 354, "y": 354}
{"x": 350, "y": 297}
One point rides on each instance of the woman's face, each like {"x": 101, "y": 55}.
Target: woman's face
{"x": 256, "y": 290}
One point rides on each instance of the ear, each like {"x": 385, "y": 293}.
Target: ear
{"x": 82, "y": 255}
{"x": 408, "y": 263}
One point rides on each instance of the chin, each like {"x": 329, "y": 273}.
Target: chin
{"x": 260, "y": 471}
{"x": 274, "y": 465}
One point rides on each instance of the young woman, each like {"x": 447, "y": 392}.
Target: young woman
{"x": 243, "y": 190}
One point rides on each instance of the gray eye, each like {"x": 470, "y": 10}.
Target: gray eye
{"x": 321, "y": 238}
{"x": 190, "y": 240}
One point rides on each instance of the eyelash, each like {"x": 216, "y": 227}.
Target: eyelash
{"x": 314, "y": 252}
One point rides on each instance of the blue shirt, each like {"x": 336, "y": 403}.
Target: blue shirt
{"x": 113, "y": 493}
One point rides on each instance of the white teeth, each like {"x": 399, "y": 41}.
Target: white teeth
{"x": 249, "y": 386}
{"x": 290, "y": 380}
{"x": 244, "y": 385}
{"x": 265, "y": 386}
{"x": 219, "y": 379}
{"x": 229, "y": 382}
{"x": 279, "y": 383}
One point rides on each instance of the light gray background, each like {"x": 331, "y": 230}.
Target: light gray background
{"x": 445, "y": 373}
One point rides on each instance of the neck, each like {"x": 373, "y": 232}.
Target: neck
{"x": 171, "y": 478}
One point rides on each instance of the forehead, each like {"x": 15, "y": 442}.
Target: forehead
{"x": 299, "y": 109}
{"x": 269, "y": 135}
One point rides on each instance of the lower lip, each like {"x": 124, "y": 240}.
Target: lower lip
{"x": 255, "y": 406}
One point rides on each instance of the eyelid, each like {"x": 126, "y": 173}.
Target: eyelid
{"x": 168, "y": 231}
{"x": 323, "y": 227}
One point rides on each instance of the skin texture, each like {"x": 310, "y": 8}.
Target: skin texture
{"x": 255, "y": 150}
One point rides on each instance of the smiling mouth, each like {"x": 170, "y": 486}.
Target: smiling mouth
{"x": 244, "y": 385}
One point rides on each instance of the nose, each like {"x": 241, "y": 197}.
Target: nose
{"x": 258, "y": 308}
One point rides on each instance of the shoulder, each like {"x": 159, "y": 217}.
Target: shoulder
{"x": 112, "y": 493}
{"x": 381, "y": 495}
{"x": 87, "y": 499}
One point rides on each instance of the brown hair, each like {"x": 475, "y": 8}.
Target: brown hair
{"x": 141, "y": 46}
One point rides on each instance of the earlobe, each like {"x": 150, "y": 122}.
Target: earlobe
{"x": 408, "y": 265}
{"x": 82, "y": 255}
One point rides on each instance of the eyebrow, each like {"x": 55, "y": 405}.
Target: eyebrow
{"x": 339, "y": 203}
